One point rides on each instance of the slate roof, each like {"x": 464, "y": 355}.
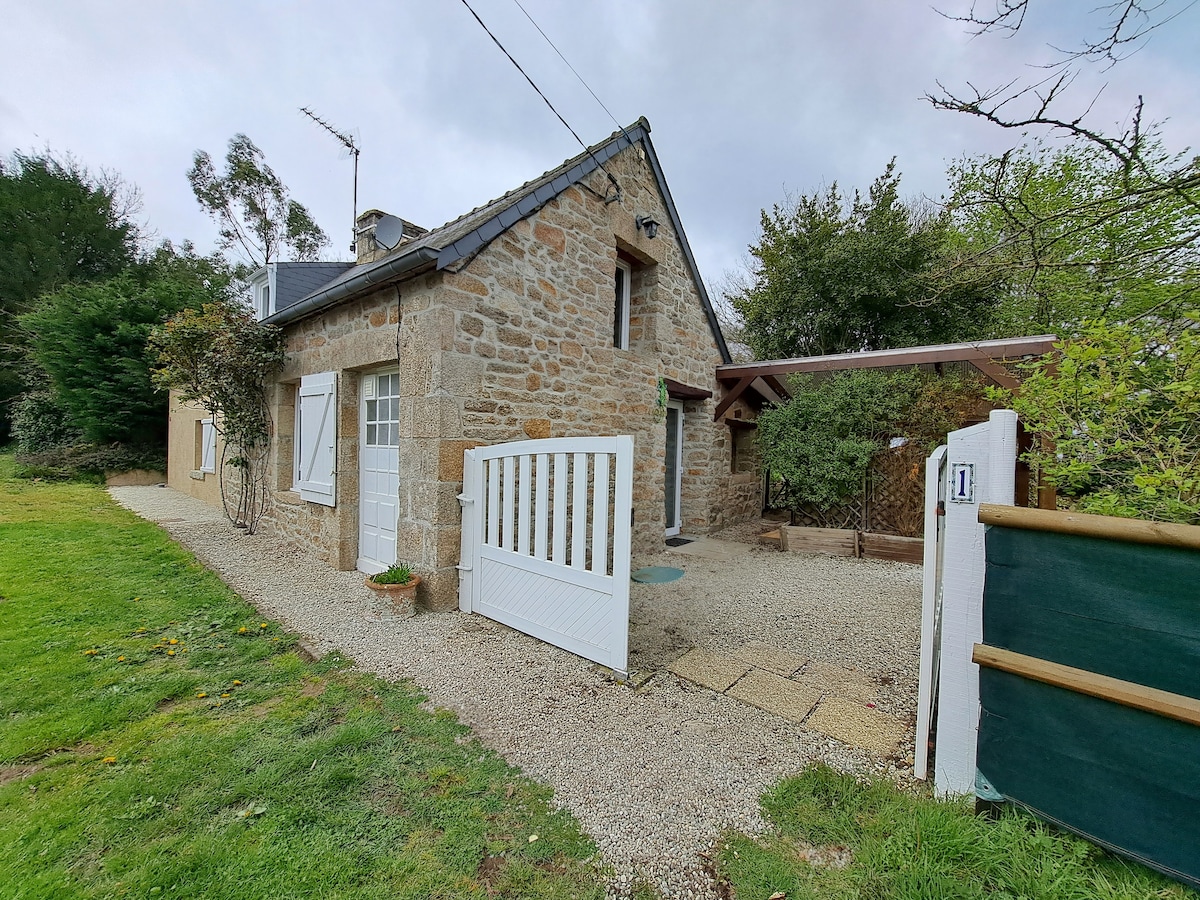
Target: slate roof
{"x": 296, "y": 280}
{"x": 461, "y": 237}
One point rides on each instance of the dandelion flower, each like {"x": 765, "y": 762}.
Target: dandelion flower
{"x": 109, "y": 759}
{"x": 263, "y": 625}
{"x": 173, "y": 641}
{"x": 242, "y": 630}
{"x": 120, "y": 659}
{"x": 224, "y": 695}
{"x": 201, "y": 695}
{"x": 170, "y": 653}
{"x": 90, "y": 652}
{"x": 236, "y": 683}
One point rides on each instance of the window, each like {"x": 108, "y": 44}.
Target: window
{"x": 208, "y": 446}
{"x": 621, "y": 280}
{"x": 265, "y": 302}
{"x": 382, "y": 414}
{"x": 316, "y": 438}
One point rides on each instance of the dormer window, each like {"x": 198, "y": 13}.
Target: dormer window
{"x": 263, "y": 300}
{"x": 621, "y": 281}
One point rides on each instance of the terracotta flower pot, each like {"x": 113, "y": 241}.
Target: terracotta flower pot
{"x": 402, "y": 596}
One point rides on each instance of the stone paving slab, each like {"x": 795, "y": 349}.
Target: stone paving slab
{"x": 847, "y": 683}
{"x": 857, "y": 725}
{"x": 773, "y": 659}
{"x": 715, "y": 671}
{"x": 776, "y": 694}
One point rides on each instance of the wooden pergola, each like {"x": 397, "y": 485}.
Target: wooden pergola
{"x": 768, "y": 380}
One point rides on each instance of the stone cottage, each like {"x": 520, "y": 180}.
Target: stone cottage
{"x": 571, "y": 306}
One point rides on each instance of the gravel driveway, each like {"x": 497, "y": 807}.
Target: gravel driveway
{"x": 654, "y": 775}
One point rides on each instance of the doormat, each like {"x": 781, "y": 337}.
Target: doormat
{"x": 657, "y": 575}
{"x": 678, "y": 541}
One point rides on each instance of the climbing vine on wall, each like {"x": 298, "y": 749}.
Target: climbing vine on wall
{"x": 223, "y": 359}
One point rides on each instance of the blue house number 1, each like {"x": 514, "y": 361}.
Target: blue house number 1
{"x": 962, "y": 482}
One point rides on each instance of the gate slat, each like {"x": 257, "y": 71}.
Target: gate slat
{"x": 506, "y": 539}
{"x": 542, "y": 506}
{"x": 493, "y": 502}
{"x": 600, "y": 514}
{"x": 525, "y": 489}
{"x": 579, "y": 512}
{"x": 560, "y": 508}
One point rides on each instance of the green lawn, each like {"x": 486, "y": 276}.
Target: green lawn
{"x": 160, "y": 739}
{"x": 902, "y": 847}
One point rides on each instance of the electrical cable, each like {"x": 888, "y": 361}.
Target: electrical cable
{"x": 496, "y": 41}
{"x": 620, "y": 127}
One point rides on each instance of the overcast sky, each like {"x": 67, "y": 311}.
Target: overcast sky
{"x": 747, "y": 100}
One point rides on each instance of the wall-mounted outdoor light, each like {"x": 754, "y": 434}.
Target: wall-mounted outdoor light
{"x": 648, "y": 225}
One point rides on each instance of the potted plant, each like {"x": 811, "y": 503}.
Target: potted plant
{"x": 398, "y": 583}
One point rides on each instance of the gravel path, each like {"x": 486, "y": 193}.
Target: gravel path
{"x": 654, "y": 775}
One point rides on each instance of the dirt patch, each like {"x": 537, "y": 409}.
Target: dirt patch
{"x": 17, "y": 773}
{"x": 312, "y": 688}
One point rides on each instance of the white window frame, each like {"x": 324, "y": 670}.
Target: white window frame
{"x": 208, "y": 446}
{"x": 315, "y": 439}
{"x": 621, "y": 305}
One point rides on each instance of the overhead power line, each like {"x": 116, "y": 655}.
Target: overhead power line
{"x": 572, "y": 68}
{"x": 545, "y": 99}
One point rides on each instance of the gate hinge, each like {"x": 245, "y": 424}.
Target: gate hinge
{"x": 463, "y": 568}
{"x": 465, "y": 499}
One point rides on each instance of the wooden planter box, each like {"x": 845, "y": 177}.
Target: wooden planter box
{"x": 829, "y": 541}
{"x": 847, "y": 542}
{"x": 892, "y": 546}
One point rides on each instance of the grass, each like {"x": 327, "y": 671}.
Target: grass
{"x": 161, "y": 739}
{"x": 905, "y": 847}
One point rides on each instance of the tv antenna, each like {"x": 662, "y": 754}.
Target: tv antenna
{"x": 348, "y": 142}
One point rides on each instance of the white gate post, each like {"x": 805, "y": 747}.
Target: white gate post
{"x": 981, "y": 465}
{"x": 468, "y": 543}
{"x": 934, "y": 472}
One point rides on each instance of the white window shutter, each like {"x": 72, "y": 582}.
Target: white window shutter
{"x": 317, "y": 438}
{"x": 208, "y": 446}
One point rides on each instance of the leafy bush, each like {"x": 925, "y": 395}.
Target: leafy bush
{"x": 1120, "y": 408}
{"x": 822, "y": 440}
{"x": 89, "y": 462}
{"x": 40, "y": 422}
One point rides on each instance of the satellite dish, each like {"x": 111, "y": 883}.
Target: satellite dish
{"x": 389, "y": 231}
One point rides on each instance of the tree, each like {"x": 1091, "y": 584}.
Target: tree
{"x": 1120, "y": 405}
{"x": 223, "y": 358}
{"x": 60, "y": 225}
{"x": 1140, "y": 174}
{"x": 831, "y": 276}
{"x": 91, "y": 341}
{"x": 251, "y": 206}
{"x": 1075, "y": 237}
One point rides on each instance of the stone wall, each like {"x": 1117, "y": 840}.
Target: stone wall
{"x": 517, "y": 343}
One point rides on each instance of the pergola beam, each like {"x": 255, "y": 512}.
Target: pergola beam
{"x": 1006, "y": 348}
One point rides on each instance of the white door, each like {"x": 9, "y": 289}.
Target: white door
{"x": 546, "y": 541}
{"x": 673, "y": 486}
{"x": 379, "y": 470}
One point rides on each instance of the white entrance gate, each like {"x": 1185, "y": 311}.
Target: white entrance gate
{"x": 546, "y": 541}
{"x": 378, "y": 471}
